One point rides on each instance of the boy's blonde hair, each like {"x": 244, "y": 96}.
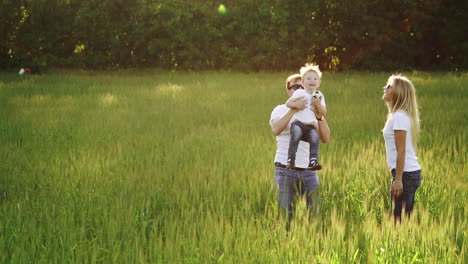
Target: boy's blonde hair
{"x": 291, "y": 79}
{"x": 404, "y": 98}
{"x": 310, "y": 67}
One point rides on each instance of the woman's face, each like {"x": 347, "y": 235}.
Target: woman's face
{"x": 387, "y": 92}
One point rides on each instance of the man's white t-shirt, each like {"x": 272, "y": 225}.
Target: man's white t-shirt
{"x": 307, "y": 115}
{"x": 282, "y": 141}
{"x": 400, "y": 121}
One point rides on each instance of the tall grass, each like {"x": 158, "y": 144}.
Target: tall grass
{"x": 158, "y": 167}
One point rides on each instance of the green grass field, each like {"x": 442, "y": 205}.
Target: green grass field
{"x": 160, "y": 167}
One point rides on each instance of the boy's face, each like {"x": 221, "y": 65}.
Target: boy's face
{"x": 311, "y": 81}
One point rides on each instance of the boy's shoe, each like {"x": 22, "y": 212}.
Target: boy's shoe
{"x": 291, "y": 164}
{"x": 314, "y": 165}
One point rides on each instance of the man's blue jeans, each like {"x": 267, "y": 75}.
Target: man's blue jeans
{"x": 291, "y": 184}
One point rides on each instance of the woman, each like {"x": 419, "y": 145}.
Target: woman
{"x": 400, "y": 134}
{"x": 298, "y": 181}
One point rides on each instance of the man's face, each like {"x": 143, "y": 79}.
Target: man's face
{"x": 295, "y": 82}
{"x": 311, "y": 81}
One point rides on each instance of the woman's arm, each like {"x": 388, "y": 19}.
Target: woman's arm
{"x": 400, "y": 142}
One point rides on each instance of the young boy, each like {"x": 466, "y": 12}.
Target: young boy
{"x": 304, "y": 125}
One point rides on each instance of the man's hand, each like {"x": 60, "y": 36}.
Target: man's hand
{"x": 317, "y": 107}
{"x": 298, "y": 103}
{"x": 315, "y": 104}
{"x": 315, "y": 101}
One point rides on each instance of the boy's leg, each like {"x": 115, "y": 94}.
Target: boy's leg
{"x": 296, "y": 135}
{"x": 314, "y": 142}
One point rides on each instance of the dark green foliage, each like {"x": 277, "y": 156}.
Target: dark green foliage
{"x": 251, "y": 35}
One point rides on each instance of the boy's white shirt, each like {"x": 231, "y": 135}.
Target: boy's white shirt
{"x": 306, "y": 115}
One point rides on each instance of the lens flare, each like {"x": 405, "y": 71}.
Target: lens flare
{"x": 222, "y": 9}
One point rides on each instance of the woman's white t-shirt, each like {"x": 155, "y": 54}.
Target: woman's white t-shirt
{"x": 400, "y": 121}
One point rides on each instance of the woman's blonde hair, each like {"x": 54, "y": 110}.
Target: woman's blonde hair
{"x": 404, "y": 98}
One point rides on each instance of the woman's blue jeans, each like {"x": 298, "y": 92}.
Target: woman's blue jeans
{"x": 411, "y": 182}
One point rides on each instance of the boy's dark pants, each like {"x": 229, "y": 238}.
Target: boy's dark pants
{"x": 308, "y": 133}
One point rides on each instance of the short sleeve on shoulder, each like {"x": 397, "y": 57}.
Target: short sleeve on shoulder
{"x": 278, "y": 112}
{"x": 401, "y": 121}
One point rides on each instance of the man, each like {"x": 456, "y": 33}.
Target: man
{"x": 300, "y": 180}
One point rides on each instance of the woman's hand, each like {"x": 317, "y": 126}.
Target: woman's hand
{"x": 298, "y": 103}
{"x": 397, "y": 189}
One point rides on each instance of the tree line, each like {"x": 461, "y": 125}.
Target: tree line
{"x": 251, "y": 35}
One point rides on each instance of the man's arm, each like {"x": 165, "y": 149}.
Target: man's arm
{"x": 279, "y": 124}
{"x": 323, "y": 129}
{"x": 321, "y": 109}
